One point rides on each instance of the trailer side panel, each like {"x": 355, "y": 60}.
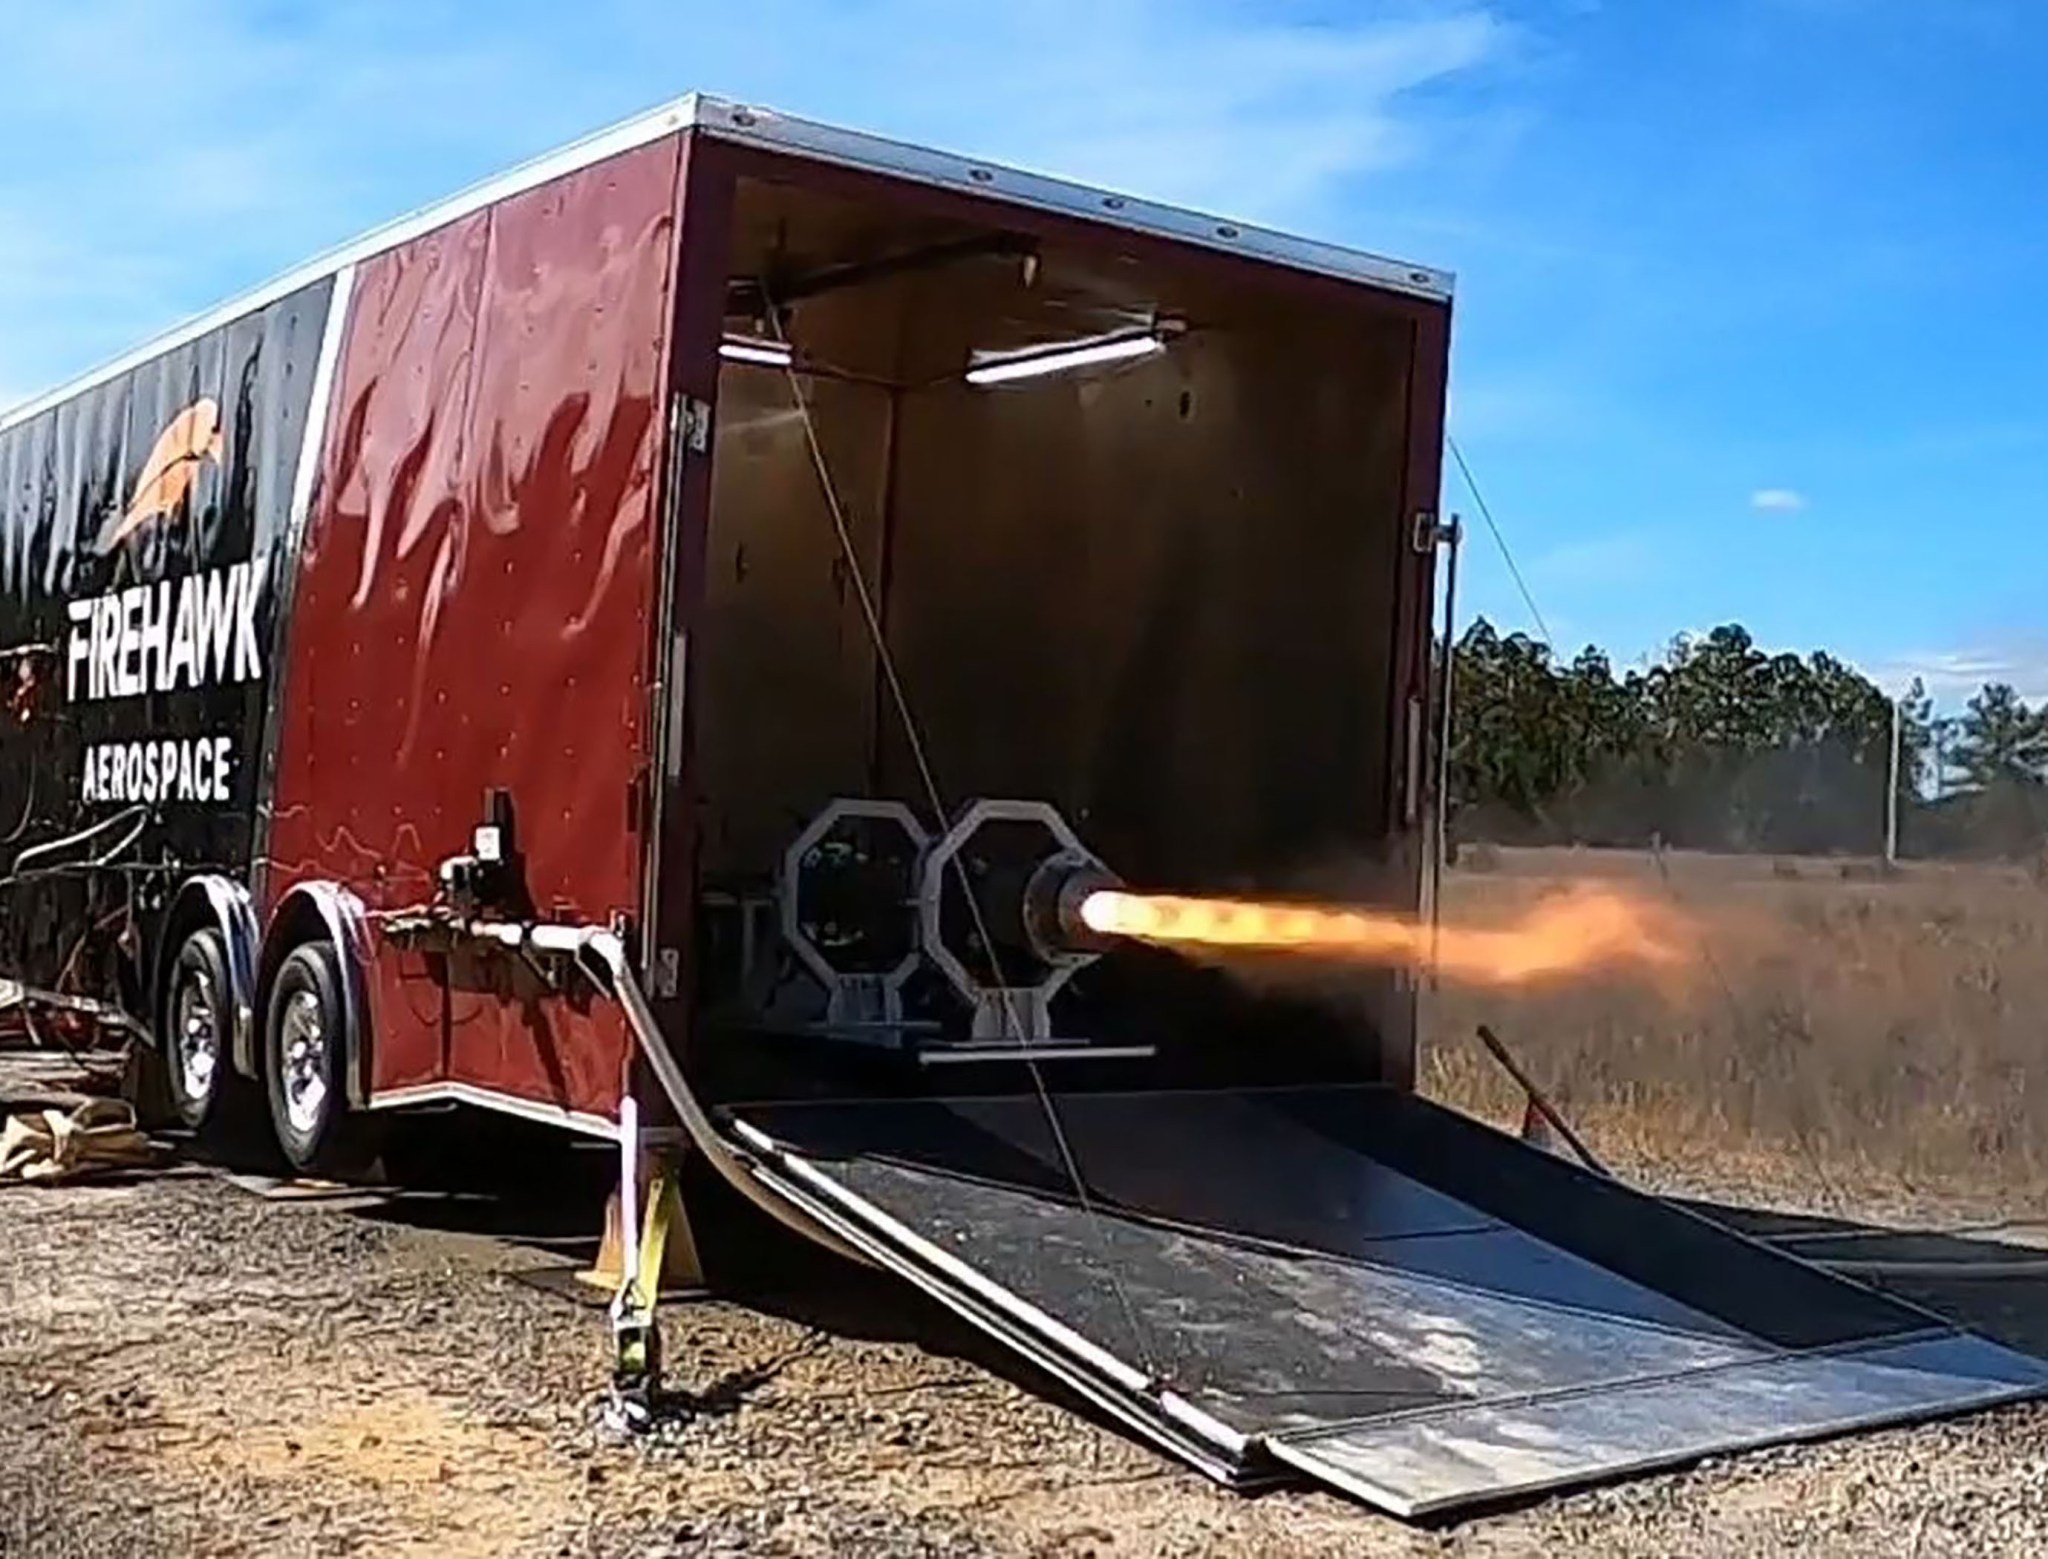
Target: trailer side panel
{"x": 474, "y": 611}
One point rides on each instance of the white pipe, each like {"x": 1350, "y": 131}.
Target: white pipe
{"x": 603, "y": 948}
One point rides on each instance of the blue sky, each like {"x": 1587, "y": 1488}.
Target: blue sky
{"x": 1753, "y": 294}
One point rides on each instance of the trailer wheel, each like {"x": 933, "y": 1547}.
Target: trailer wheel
{"x": 197, "y": 1070}
{"x": 306, "y": 1047}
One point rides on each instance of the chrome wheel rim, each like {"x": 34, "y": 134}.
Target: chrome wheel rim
{"x": 304, "y": 1069}
{"x": 195, "y": 1032}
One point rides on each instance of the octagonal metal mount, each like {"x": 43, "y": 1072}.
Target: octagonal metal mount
{"x": 1021, "y": 1013}
{"x": 853, "y": 998}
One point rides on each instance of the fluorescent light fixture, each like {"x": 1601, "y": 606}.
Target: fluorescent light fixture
{"x": 745, "y": 349}
{"x": 1033, "y": 362}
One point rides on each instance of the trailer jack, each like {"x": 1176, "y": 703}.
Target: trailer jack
{"x": 637, "y": 1397}
{"x": 644, "y": 1255}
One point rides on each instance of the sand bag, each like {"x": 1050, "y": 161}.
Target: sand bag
{"x": 100, "y": 1135}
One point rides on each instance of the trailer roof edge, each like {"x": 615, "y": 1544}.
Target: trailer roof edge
{"x": 769, "y": 130}
{"x": 784, "y": 133}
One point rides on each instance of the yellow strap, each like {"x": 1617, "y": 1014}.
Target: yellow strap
{"x": 664, "y": 1206}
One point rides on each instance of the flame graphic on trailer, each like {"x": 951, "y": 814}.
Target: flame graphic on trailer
{"x": 168, "y": 476}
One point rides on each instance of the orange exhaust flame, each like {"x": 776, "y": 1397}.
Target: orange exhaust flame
{"x": 1585, "y": 930}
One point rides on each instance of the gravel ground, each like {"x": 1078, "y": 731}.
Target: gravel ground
{"x": 188, "y": 1368}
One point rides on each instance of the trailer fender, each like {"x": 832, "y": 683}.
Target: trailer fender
{"x": 224, "y": 904}
{"x": 323, "y": 910}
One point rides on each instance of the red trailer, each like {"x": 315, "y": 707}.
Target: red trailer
{"x": 661, "y": 644}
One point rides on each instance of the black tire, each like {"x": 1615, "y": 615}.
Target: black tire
{"x": 306, "y": 1043}
{"x": 195, "y": 1041}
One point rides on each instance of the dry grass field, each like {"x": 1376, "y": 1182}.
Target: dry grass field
{"x": 1835, "y": 1024}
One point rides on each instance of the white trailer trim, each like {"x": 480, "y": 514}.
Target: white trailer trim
{"x": 285, "y": 583}
{"x": 491, "y": 1099}
{"x": 766, "y": 130}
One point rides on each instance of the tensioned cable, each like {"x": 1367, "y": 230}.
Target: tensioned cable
{"x": 929, "y": 780}
{"x": 1499, "y": 540}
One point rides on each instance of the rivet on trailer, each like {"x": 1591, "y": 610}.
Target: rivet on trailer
{"x": 664, "y": 644}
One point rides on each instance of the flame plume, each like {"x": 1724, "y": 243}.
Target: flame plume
{"x": 1585, "y": 930}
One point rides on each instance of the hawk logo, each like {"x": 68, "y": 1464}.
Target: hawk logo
{"x": 187, "y": 442}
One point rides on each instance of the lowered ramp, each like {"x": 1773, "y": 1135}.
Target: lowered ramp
{"x": 1359, "y": 1286}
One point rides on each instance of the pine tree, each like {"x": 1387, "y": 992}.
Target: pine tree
{"x": 2000, "y": 741}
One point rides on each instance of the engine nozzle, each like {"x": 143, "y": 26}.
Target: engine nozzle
{"x": 1055, "y": 901}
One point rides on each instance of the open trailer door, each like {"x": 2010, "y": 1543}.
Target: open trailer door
{"x": 1362, "y": 1287}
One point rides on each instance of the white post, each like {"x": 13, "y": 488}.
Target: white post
{"x": 1449, "y": 536}
{"x": 1891, "y": 792}
{"x": 629, "y": 1191}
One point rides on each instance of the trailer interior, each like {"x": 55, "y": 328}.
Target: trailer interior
{"x": 1093, "y": 585}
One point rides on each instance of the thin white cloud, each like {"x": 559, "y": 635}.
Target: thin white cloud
{"x": 159, "y": 195}
{"x": 1952, "y": 677}
{"x": 1777, "y": 500}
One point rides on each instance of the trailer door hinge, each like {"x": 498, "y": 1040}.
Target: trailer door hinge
{"x": 668, "y": 973}
{"x": 1431, "y": 533}
{"x": 1411, "y": 789}
{"x": 694, "y": 424}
